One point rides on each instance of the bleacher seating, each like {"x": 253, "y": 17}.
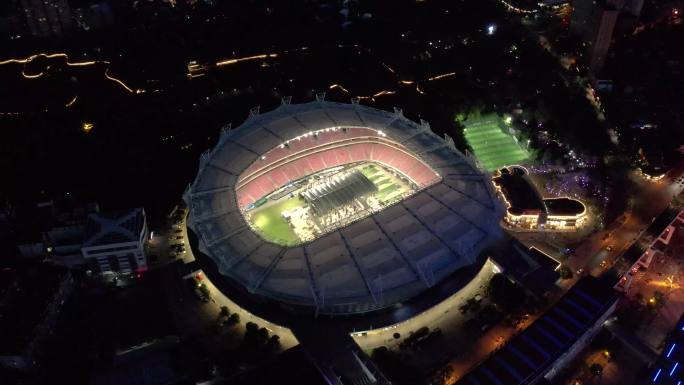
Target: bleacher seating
{"x": 311, "y": 154}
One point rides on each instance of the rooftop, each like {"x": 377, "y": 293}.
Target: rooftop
{"x": 533, "y": 269}
{"x": 667, "y": 369}
{"x": 563, "y": 206}
{"x": 519, "y": 191}
{"x": 114, "y": 227}
{"x": 532, "y": 352}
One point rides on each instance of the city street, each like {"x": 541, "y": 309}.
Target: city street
{"x": 161, "y": 244}
{"x": 662, "y": 288}
{"x": 445, "y": 316}
{"x": 651, "y": 200}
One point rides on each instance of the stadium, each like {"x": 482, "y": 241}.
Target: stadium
{"x": 334, "y": 208}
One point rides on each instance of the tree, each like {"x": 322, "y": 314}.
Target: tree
{"x": 565, "y": 271}
{"x": 263, "y": 336}
{"x": 204, "y": 291}
{"x": 224, "y": 313}
{"x": 504, "y": 293}
{"x": 396, "y": 366}
{"x": 251, "y": 328}
{"x": 273, "y": 343}
{"x": 234, "y": 319}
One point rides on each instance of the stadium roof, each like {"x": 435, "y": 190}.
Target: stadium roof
{"x": 375, "y": 262}
{"x": 532, "y": 353}
{"x": 114, "y": 227}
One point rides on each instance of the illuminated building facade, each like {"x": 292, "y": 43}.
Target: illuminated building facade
{"x": 527, "y": 209}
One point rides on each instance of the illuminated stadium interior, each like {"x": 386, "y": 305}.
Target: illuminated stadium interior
{"x": 325, "y": 179}
{"x": 338, "y": 208}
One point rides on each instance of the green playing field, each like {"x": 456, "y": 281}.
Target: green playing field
{"x": 492, "y": 146}
{"x": 272, "y": 224}
{"x": 387, "y": 190}
{"x": 269, "y": 221}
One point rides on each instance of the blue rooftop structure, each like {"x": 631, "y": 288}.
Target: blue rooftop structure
{"x": 669, "y": 368}
{"x": 532, "y": 353}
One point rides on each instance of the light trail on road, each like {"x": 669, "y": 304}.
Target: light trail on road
{"x": 65, "y": 56}
{"x": 247, "y": 58}
{"x": 71, "y": 103}
{"x": 333, "y": 86}
{"x": 36, "y": 76}
{"x": 442, "y": 76}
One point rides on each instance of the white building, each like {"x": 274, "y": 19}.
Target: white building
{"x": 114, "y": 242}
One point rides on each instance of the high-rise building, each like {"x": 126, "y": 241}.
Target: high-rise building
{"x": 47, "y": 17}
{"x": 594, "y": 22}
{"x": 632, "y": 7}
{"x": 114, "y": 243}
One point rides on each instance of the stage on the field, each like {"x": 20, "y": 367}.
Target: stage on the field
{"x": 492, "y": 146}
{"x": 290, "y": 220}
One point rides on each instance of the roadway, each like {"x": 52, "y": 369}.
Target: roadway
{"x": 662, "y": 278}
{"x": 446, "y": 316}
{"x": 161, "y": 245}
{"x": 650, "y": 201}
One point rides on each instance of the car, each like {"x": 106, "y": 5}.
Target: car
{"x": 178, "y": 231}
{"x": 179, "y": 237}
{"x": 580, "y": 271}
{"x": 610, "y": 247}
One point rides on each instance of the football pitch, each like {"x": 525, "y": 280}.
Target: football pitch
{"x": 272, "y": 224}
{"x": 491, "y": 145}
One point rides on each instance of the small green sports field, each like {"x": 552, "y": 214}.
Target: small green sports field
{"x": 492, "y": 146}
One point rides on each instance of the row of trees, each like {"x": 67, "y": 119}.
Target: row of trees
{"x": 228, "y": 318}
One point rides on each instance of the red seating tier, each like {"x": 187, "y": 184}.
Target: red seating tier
{"x": 329, "y": 158}
{"x": 316, "y": 162}
{"x": 342, "y": 155}
{"x": 304, "y": 165}
{"x": 306, "y": 143}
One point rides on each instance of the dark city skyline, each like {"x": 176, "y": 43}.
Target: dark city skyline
{"x": 343, "y": 192}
